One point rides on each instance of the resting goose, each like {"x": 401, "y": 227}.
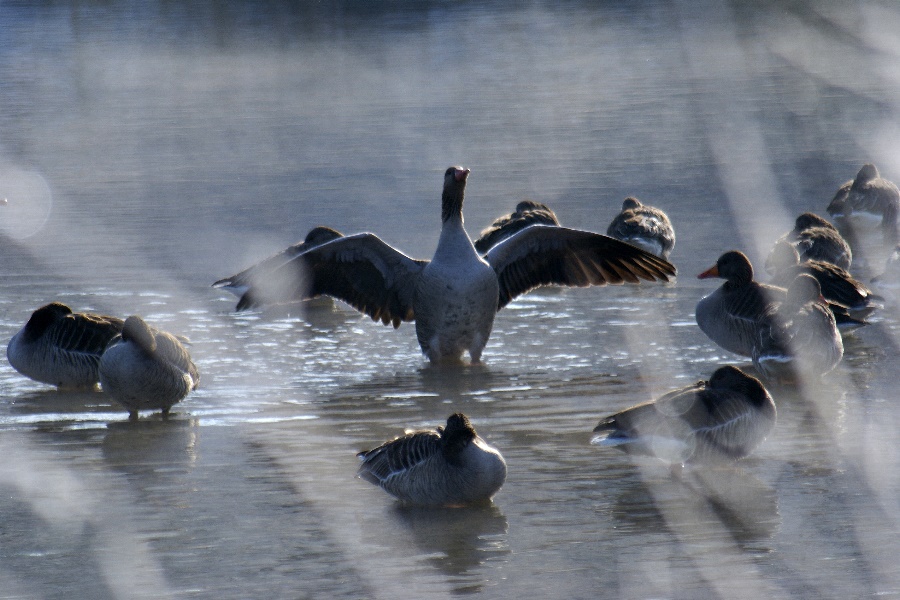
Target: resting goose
{"x": 447, "y": 466}
{"x": 257, "y": 274}
{"x": 817, "y": 239}
{"x": 644, "y": 226}
{"x": 527, "y": 213}
{"x": 455, "y": 296}
{"x": 62, "y": 348}
{"x": 722, "y": 419}
{"x": 868, "y": 197}
{"x": 838, "y": 285}
{"x": 147, "y": 369}
{"x": 731, "y": 315}
{"x": 800, "y": 335}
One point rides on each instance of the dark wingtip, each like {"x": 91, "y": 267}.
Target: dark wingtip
{"x": 246, "y": 302}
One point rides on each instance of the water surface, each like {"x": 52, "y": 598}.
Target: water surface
{"x": 147, "y": 150}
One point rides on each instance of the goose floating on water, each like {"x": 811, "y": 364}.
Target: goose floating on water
{"x": 799, "y": 336}
{"x": 527, "y": 213}
{"x": 868, "y": 197}
{"x": 258, "y": 274}
{"x": 455, "y": 296}
{"x": 147, "y": 369}
{"x": 446, "y": 466}
{"x": 816, "y": 239}
{"x": 732, "y": 314}
{"x": 722, "y": 419}
{"x": 61, "y": 347}
{"x": 644, "y": 226}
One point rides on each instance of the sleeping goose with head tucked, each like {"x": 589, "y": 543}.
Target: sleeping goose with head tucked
{"x": 454, "y": 297}
{"x": 62, "y": 348}
{"x": 644, "y": 226}
{"x": 527, "y": 213}
{"x": 446, "y": 466}
{"x": 867, "y": 198}
{"x": 722, "y": 419}
{"x": 816, "y": 239}
{"x": 147, "y": 369}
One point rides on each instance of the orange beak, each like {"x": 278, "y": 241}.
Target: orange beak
{"x": 711, "y": 272}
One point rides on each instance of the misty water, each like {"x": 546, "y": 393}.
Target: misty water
{"x": 148, "y": 149}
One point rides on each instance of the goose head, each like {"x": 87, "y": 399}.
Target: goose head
{"x": 733, "y": 266}
{"x": 454, "y": 192}
{"x": 138, "y": 332}
{"x": 44, "y": 317}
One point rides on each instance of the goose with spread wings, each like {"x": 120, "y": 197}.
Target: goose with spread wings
{"x": 454, "y": 297}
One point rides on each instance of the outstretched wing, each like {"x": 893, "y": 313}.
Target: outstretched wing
{"x": 360, "y": 269}
{"x": 547, "y": 255}
{"x": 239, "y": 283}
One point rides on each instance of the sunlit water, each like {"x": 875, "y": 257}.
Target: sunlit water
{"x": 148, "y": 150}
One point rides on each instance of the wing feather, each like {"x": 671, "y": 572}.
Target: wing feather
{"x": 85, "y": 333}
{"x": 360, "y": 269}
{"x": 549, "y": 255}
{"x": 398, "y": 456}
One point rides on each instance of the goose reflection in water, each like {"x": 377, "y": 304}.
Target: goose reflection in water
{"x": 457, "y": 540}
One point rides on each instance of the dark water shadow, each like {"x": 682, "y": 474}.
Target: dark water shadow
{"x": 152, "y": 444}
{"x": 456, "y": 540}
{"x": 722, "y": 504}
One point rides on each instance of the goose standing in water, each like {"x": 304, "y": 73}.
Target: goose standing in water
{"x": 455, "y": 296}
{"x": 447, "y": 466}
{"x": 732, "y": 314}
{"x": 644, "y": 226}
{"x": 147, "y": 369}
{"x": 722, "y": 419}
{"x": 800, "y": 335}
{"x": 816, "y": 239}
{"x": 867, "y": 197}
{"x": 527, "y": 213}
{"x": 260, "y": 273}
{"x": 62, "y": 348}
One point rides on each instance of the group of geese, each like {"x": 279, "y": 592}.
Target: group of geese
{"x": 788, "y": 328}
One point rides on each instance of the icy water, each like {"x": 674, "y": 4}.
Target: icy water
{"x": 148, "y": 149}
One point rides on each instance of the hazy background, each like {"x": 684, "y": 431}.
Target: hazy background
{"x": 148, "y": 149}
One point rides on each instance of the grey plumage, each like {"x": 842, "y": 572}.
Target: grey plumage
{"x": 644, "y": 226}
{"x": 527, "y": 213}
{"x": 838, "y": 285}
{"x": 260, "y": 274}
{"x": 868, "y": 196}
{"x": 731, "y": 315}
{"x": 62, "y": 348}
{"x": 816, "y": 239}
{"x": 799, "y": 335}
{"x": 722, "y": 419}
{"x": 453, "y": 298}
{"x": 447, "y": 466}
{"x": 145, "y": 368}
